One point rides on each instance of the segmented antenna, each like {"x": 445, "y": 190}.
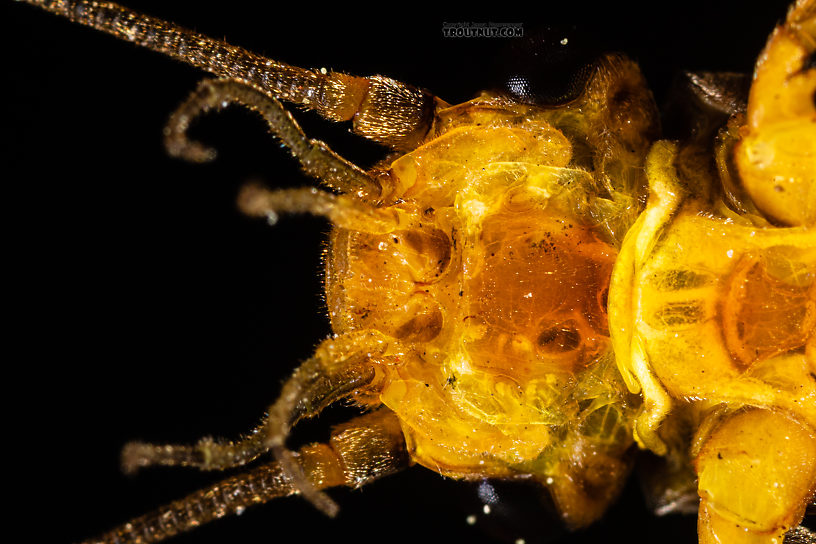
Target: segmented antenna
{"x": 384, "y": 110}
{"x": 230, "y": 496}
{"x": 222, "y": 59}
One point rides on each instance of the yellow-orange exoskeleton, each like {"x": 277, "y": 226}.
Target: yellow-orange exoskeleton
{"x": 533, "y": 292}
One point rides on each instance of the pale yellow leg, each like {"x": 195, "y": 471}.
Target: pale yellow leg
{"x": 776, "y": 155}
{"x": 757, "y": 472}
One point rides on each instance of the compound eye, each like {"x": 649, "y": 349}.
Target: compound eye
{"x": 550, "y": 67}
{"x": 559, "y": 339}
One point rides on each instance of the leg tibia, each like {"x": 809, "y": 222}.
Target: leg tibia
{"x": 757, "y": 471}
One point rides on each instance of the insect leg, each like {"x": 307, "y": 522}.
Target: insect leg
{"x": 360, "y": 451}
{"x": 756, "y": 473}
{"x": 316, "y": 158}
{"x": 776, "y": 157}
{"x": 382, "y": 109}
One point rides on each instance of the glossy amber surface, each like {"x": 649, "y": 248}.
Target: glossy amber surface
{"x": 712, "y": 311}
{"x": 495, "y": 288}
{"x": 776, "y": 155}
{"x": 537, "y": 291}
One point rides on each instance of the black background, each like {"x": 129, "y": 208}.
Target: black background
{"x": 145, "y": 307}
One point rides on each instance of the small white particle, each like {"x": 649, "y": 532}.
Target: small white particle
{"x": 528, "y": 295}
{"x": 240, "y": 510}
{"x": 549, "y": 480}
{"x": 323, "y": 71}
{"x": 565, "y": 41}
{"x": 521, "y": 541}
{"x": 471, "y": 520}
{"x": 486, "y": 508}
{"x": 730, "y": 253}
